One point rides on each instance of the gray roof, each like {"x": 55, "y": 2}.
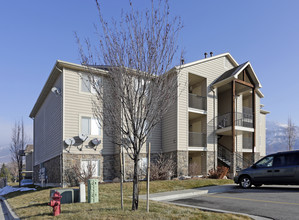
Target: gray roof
{"x": 230, "y": 72}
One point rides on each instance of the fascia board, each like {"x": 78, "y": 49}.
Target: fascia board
{"x": 209, "y": 59}
{"x": 259, "y": 83}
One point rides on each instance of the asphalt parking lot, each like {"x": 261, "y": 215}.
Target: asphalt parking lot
{"x": 276, "y": 202}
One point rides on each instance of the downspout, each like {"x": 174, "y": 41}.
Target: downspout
{"x": 62, "y": 125}
{"x": 214, "y": 128}
{"x": 33, "y": 153}
{"x": 61, "y": 170}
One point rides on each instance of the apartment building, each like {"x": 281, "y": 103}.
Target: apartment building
{"x": 217, "y": 119}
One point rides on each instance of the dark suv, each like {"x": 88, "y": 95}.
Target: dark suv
{"x": 281, "y": 168}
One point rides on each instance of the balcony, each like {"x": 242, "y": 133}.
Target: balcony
{"x": 247, "y": 110}
{"x": 197, "y": 101}
{"x": 197, "y": 139}
{"x": 247, "y": 143}
{"x": 241, "y": 119}
{"x": 243, "y": 123}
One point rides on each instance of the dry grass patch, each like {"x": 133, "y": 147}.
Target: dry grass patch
{"x": 34, "y": 205}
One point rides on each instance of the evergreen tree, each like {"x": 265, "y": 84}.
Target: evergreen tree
{"x": 4, "y": 172}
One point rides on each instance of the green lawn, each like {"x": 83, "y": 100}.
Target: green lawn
{"x": 34, "y": 205}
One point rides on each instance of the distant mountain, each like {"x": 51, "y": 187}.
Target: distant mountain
{"x": 5, "y": 155}
{"x": 276, "y": 137}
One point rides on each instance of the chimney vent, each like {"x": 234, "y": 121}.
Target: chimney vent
{"x": 211, "y": 54}
{"x": 182, "y": 61}
{"x": 206, "y": 54}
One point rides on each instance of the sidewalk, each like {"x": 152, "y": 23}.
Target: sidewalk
{"x": 6, "y": 212}
{"x": 3, "y": 212}
{"x": 167, "y": 196}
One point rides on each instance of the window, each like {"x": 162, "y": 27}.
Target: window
{"x": 292, "y": 159}
{"x": 266, "y": 162}
{"x": 90, "y": 126}
{"x": 279, "y": 161}
{"x": 86, "y": 85}
{"x": 142, "y": 164}
{"x": 90, "y": 166}
{"x": 140, "y": 85}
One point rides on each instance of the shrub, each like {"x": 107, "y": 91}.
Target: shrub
{"x": 162, "y": 167}
{"x": 219, "y": 173}
{"x": 79, "y": 174}
{"x": 194, "y": 169}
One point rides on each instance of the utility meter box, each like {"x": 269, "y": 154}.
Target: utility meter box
{"x": 68, "y": 195}
{"x": 93, "y": 190}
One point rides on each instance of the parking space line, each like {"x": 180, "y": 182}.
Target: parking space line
{"x": 254, "y": 200}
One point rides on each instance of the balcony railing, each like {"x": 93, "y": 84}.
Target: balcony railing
{"x": 198, "y": 102}
{"x": 241, "y": 119}
{"x": 247, "y": 142}
{"x": 197, "y": 139}
{"x": 225, "y": 155}
{"x": 247, "y": 110}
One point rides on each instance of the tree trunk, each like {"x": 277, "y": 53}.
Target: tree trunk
{"x": 135, "y": 185}
{"x": 121, "y": 178}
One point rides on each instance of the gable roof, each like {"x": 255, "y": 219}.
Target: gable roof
{"x": 234, "y": 73}
{"x": 230, "y": 73}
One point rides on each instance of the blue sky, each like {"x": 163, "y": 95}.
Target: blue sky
{"x": 34, "y": 34}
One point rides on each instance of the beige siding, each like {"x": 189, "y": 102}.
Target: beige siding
{"x": 155, "y": 139}
{"x": 257, "y": 126}
{"x": 48, "y": 141}
{"x": 183, "y": 117}
{"x": 169, "y": 129}
{"x": 263, "y": 134}
{"x": 210, "y": 70}
{"x": 76, "y": 105}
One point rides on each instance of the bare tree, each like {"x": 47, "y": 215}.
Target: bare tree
{"x": 83, "y": 174}
{"x": 139, "y": 86}
{"x": 163, "y": 167}
{"x": 14, "y": 171}
{"x": 17, "y": 146}
{"x": 290, "y": 134}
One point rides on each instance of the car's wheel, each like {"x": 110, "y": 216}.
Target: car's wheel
{"x": 258, "y": 185}
{"x": 245, "y": 182}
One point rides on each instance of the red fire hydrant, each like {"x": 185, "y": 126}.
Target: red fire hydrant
{"x": 55, "y": 203}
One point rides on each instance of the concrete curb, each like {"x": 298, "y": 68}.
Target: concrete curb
{"x": 165, "y": 196}
{"x": 11, "y": 214}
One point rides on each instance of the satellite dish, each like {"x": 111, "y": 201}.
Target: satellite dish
{"x": 69, "y": 141}
{"x": 83, "y": 137}
{"x": 95, "y": 141}
{"x": 56, "y": 91}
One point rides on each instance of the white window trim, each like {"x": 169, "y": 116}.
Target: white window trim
{"x": 92, "y": 92}
{"x": 91, "y": 117}
{"x": 98, "y": 171}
